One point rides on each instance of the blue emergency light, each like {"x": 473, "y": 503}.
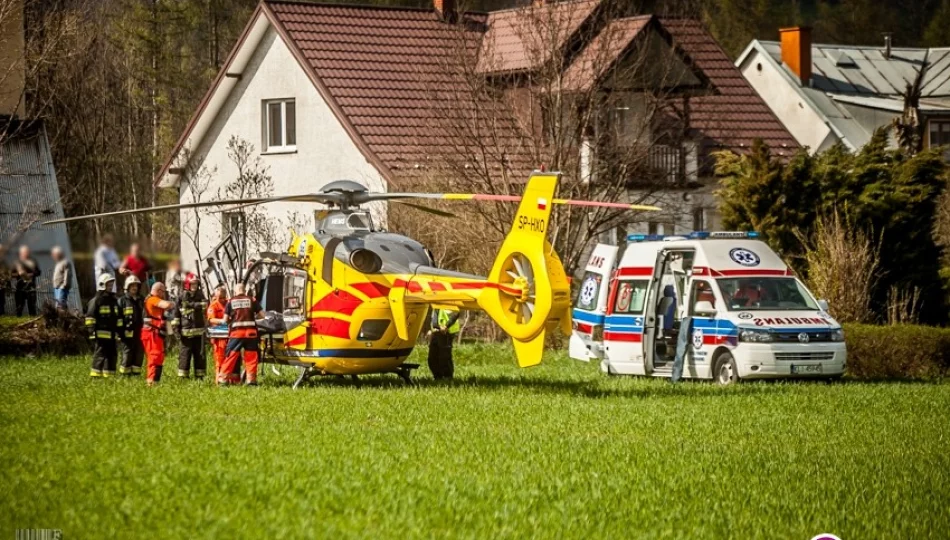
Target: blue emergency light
{"x": 696, "y": 235}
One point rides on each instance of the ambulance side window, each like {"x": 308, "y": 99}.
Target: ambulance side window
{"x": 630, "y": 296}
{"x": 700, "y": 292}
{"x": 589, "y": 292}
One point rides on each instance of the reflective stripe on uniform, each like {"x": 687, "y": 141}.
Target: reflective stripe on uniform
{"x": 191, "y": 332}
{"x": 90, "y": 321}
{"x": 182, "y": 373}
{"x": 103, "y": 334}
{"x": 105, "y": 310}
{"x": 243, "y": 324}
{"x": 95, "y": 373}
{"x": 128, "y": 311}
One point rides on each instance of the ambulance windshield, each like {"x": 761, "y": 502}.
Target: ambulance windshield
{"x": 765, "y": 293}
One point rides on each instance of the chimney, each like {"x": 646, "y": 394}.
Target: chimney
{"x": 447, "y": 10}
{"x": 796, "y": 51}
{"x": 887, "y": 45}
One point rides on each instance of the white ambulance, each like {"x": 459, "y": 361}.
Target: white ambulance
{"x": 749, "y": 316}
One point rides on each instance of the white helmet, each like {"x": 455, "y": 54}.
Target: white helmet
{"x": 132, "y": 280}
{"x": 104, "y": 281}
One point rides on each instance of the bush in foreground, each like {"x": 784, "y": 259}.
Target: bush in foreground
{"x": 897, "y": 352}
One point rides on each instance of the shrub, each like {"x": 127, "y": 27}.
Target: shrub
{"x": 897, "y": 352}
{"x": 842, "y": 268}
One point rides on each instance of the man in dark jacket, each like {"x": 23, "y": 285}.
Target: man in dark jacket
{"x": 26, "y": 271}
{"x": 189, "y": 324}
{"x": 444, "y": 327}
{"x": 132, "y": 305}
{"x": 105, "y": 324}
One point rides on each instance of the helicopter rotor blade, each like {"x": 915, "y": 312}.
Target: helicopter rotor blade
{"x": 366, "y": 197}
{"x": 163, "y": 208}
{"x": 323, "y": 198}
{"x": 421, "y": 208}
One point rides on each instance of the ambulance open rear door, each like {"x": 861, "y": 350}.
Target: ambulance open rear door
{"x": 587, "y": 339}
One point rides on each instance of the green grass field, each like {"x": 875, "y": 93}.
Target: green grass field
{"x": 555, "y": 451}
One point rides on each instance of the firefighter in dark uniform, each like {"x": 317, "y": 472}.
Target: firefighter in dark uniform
{"x": 132, "y": 305}
{"x": 189, "y": 324}
{"x": 444, "y": 327}
{"x": 241, "y": 316}
{"x": 105, "y": 324}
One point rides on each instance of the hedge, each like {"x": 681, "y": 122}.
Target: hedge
{"x": 897, "y": 352}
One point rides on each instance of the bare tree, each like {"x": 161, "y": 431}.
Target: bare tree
{"x": 253, "y": 181}
{"x": 195, "y": 183}
{"x": 590, "y": 92}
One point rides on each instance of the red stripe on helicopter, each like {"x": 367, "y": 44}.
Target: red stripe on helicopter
{"x": 340, "y": 302}
{"x": 372, "y": 290}
{"x": 436, "y": 286}
{"x": 299, "y": 340}
{"x": 486, "y": 285}
{"x": 636, "y": 271}
{"x": 410, "y": 286}
{"x": 328, "y": 326}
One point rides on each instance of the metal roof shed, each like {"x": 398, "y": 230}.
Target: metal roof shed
{"x": 29, "y": 195}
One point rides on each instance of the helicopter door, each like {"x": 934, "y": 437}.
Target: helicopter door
{"x": 295, "y": 306}
{"x": 587, "y": 339}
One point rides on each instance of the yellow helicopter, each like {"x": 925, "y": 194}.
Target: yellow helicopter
{"x": 352, "y": 300}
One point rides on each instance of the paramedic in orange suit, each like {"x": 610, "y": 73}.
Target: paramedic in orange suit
{"x": 153, "y": 332}
{"x": 215, "y": 317}
{"x": 241, "y": 314}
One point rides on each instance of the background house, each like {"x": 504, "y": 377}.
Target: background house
{"x": 826, "y": 93}
{"x": 629, "y": 106}
{"x": 29, "y": 193}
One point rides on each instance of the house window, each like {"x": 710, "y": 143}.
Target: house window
{"x": 659, "y": 227}
{"x": 280, "y": 125}
{"x": 699, "y": 219}
{"x": 940, "y": 135}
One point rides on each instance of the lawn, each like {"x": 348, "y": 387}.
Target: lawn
{"x": 555, "y": 451}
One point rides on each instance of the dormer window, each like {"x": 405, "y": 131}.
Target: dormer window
{"x": 280, "y": 126}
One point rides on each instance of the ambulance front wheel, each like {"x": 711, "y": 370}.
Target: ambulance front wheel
{"x": 724, "y": 370}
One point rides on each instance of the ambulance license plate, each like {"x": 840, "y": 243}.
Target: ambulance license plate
{"x": 806, "y": 369}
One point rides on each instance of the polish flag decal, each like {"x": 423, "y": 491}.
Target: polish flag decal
{"x": 542, "y": 204}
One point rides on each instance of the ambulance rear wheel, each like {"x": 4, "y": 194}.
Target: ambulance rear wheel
{"x": 724, "y": 370}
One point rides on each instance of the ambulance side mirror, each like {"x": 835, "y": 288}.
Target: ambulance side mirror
{"x": 704, "y": 308}
{"x": 823, "y": 305}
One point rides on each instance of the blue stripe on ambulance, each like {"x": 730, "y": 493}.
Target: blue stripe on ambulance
{"x": 589, "y": 318}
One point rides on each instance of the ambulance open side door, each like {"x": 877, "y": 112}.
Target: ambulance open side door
{"x": 587, "y": 339}
{"x": 651, "y": 322}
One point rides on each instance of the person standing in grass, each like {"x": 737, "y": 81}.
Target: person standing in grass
{"x": 133, "y": 308}
{"x": 153, "y": 332}
{"x": 62, "y": 278}
{"x": 241, "y": 315}
{"x": 445, "y": 326}
{"x": 135, "y": 264}
{"x": 105, "y": 324}
{"x": 215, "y": 318}
{"x": 106, "y": 260}
{"x": 26, "y": 271}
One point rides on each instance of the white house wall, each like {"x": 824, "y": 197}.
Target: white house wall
{"x": 808, "y": 128}
{"x": 325, "y": 152}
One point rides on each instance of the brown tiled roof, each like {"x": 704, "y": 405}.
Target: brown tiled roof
{"x": 736, "y": 115}
{"x": 518, "y": 39}
{"x": 394, "y": 73}
{"x": 603, "y": 51}
{"x": 397, "y": 78}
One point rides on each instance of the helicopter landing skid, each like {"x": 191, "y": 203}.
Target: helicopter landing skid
{"x": 306, "y": 373}
{"x": 405, "y": 372}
